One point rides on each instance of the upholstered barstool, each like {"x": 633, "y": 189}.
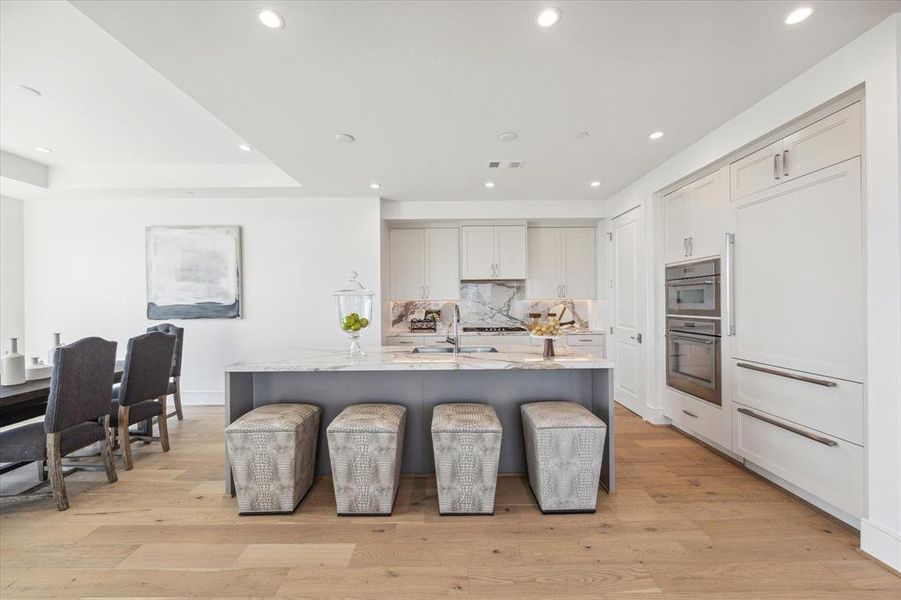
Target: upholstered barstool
{"x": 466, "y": 439}
{"x": 366, "y": 442}
{"x": 272, "y": 450}
{"x": 174, "y": 388}
{"x": 564, "y": 449}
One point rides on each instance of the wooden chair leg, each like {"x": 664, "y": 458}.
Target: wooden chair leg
{"x": 177, "y": 397}
{"x": 55, "y": 467}
{"x": 125, "y": 438}
{"x": 163, "y": 423}
{"x": 106, "y": 451}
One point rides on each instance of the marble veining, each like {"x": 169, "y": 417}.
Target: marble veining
{"x": 402, "y": 359}
{"x": 491, "y": 304}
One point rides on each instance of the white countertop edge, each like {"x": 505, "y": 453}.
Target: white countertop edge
{"x": 443, "y": 333}
{"x": 399, "y": 358}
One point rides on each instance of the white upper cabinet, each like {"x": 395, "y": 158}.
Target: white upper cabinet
{"x": 562, "y": 262}
{"x": 828, "y": 141}
{"x": 493, "y": 252}
{"x": 692, "y": 219}
{"x": 424, "y": 264}
{"x": 580, "y": 262}
{"x": 406, "y": 253}
{"x": 442, "y": 263}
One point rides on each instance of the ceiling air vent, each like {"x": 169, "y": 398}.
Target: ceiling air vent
{"x": 504, "y": 164}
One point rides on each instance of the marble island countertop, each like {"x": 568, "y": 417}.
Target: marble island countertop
{"x": 395, "y": 358}
{"x": 442, "y": 332}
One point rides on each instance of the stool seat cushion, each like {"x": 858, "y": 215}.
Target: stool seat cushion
{"x": 136, "y": 412}
{"x": 29, "y": 442}
{"x": 369, "y": 418}
{"x": 465, "y": 417}
{"x": 560, "y": 415}
{"x": 274, "y": 417}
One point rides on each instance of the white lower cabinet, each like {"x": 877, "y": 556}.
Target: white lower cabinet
{"x": 403, "y": 340}
{"x": 697, "y": 416}
{"x": 829, "y": 468}
{"x": 494, "y": 340}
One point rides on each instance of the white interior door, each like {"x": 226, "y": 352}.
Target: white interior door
{"x": 627, "y": 309}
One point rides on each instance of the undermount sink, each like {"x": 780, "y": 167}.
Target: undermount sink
{"x": 446, "y": 350}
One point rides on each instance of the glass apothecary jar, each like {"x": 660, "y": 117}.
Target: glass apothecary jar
{"x": 354, "y": 304}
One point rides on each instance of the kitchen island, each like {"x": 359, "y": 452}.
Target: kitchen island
{"x": 333, "y": 380}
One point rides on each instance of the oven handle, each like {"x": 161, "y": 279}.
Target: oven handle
{"x": 729, "y": 285}
{"x": 687, "y": 283}
{"x": 691, "y": 338}
{"x": 801, "y": 432}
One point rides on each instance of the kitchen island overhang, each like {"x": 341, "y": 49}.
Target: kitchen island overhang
{"x": 333, "y": 380}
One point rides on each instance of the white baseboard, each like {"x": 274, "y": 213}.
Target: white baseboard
{"x": 202, "y": 398}
{"x": 655, "y": 416}
{"x": 882, "y": 544}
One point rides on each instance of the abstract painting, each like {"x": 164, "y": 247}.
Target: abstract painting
{"x": 193, "y": 272}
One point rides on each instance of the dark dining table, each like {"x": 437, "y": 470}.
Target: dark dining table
{"x": 29, "y": 400}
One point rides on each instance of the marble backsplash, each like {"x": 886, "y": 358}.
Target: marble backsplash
{"x": 491, "y": 304}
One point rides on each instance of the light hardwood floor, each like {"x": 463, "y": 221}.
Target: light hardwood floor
{"x": 685, "y": 523}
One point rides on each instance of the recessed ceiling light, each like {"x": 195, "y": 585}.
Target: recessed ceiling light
{"x": 595, "y": 184}
{"x": 346, "y": 138}
{"x": 489, "y": 184}
{"x": 508, "y": 136}
{"x": 245, "y": 147}
{"x": 270, "y": 18}
{"x": 798, "y": 15}
{"x": 583, "y": 134}
{"x": 375, "y": 186}
{"x": 28, "y": 90}
{"x": 655, "y": 135}
{"x": 44, "y": 150}
{"x": 548, "y": 17}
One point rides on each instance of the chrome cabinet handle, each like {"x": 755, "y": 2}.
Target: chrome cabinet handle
{"x": 812, "y": 380}
{"x": 563, "y": 287}
{"x": 801, "y": 432}
{"x": 685, "y": 245}
{"x": 776, "y": 165}
{"x": 728, "y": 284}
{"x": 559, "y": 293}
{"x": 690, "y": 414}
{"x": 691, "y": 246}
{"x": 785, "y": 163}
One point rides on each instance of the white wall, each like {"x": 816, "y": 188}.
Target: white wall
{"x": 12, "y": 277}
{"x": 873, "y": 60}
{"x": 85, "y": 275}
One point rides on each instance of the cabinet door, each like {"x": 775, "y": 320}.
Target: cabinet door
{"x": 799, "y": 277}
{"x": 545, "y": 263}
{"x": 756, "y": 172}
{"x": 442, "y": 268}
{"x": 406, "y": 263}
{"x": 580, "y": 262}
{"x": 511, "y": 252}
{"x": 478, "y": 252}
{"x": 676, "y": 224}
{"x": 704, "y": 202}
{"x": 827, "y": 142}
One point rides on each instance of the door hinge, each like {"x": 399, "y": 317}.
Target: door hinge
{"x": 610, "y": 236}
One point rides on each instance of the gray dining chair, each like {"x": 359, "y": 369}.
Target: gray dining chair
{"x": 77, "y": 413}
{"x": 141, "y": 395}
{"x": 175, "y": 382}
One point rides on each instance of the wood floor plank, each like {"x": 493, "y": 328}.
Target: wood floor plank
{"x": 256, "y": 556}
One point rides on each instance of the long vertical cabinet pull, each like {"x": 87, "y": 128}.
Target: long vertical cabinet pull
{"x": 785, "y": 163}
{"x": 776, "y": 165}
{"x": 729, "y": 284}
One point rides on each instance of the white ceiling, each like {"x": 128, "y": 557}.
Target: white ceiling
{"x": 102, "y": 108}
{"x": 425, "y": 86}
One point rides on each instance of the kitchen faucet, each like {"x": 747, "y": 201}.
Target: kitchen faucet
{"x": 456, "y": 339}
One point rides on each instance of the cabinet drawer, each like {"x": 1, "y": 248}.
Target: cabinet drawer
{"x": 593, "y": 350}
{"x": 494, "y": 340}
{"x": 828, "y": 405}
{"x": 404, "y": 340}
{"x": 829, "y": 468}
{"x": 697, "y": 416}
{"x": 587, "y": 339}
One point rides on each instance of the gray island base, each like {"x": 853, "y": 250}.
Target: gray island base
{"x": 505, "y": 380}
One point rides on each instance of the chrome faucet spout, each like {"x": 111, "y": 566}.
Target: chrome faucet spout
{"x": 455, "y": 340}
